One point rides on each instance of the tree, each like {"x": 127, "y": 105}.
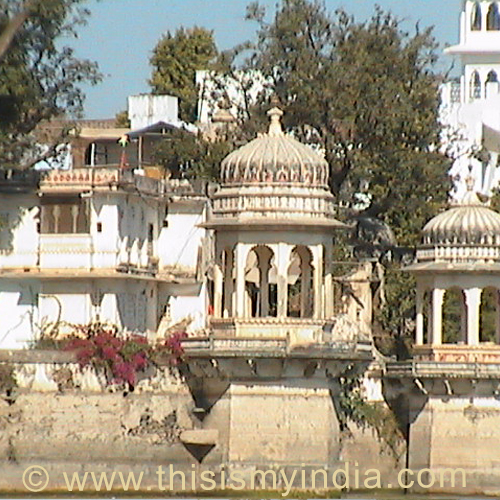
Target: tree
{"x": 39, "y": 80}
{"x": 175, "y": 60}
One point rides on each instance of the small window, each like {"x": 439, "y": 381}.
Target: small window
{"x": 492, "y": 77}
{"x": 476, "y": 19}
{"x": 475, "y": 86}
{"x": 493, "y": 18}
{"x": 99, "y": 227}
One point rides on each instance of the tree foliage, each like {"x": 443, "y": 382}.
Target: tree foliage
{"x": 39, "y": 79}
{"x": 188, "y": 155}
{"x": 369, "y": 93}
{"x": 175, "y": 60}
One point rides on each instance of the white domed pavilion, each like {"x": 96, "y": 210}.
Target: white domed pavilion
{"x": 274, "y": 223}
{"x": 461, "y": 252}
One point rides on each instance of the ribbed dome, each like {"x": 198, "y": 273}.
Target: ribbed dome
{"x": 275, "y": 158}
{"x": 471, "y": 222}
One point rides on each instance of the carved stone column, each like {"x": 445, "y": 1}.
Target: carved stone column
{"x": 283, "y": 261}
{"x": 419, "y": 335}
{"x": 228, "y": 284}
{"x": 317, "y": 283}
{"x": 218, "y": 287}
{"x": 240, "y": 258}
{"x": 473, "y": 301}
{"x": 437, "y": 316}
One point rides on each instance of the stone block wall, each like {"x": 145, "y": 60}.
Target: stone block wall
{"x": 67, "y": 421}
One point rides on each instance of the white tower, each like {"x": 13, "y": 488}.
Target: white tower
{"x": 471, "y": 106}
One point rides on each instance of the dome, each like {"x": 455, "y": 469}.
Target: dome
{"x": 470, "y": 222}
{"x": 275, "y": 158}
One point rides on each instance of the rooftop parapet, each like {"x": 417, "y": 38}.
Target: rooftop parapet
{"x": 111, "y": 177}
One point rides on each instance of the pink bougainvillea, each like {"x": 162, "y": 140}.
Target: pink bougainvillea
{"x": 122, "y": 356}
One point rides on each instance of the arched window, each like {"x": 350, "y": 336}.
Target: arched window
{"x": 493, "y": 18}
{"x": 475, "y": 86}
{"x": 454, "y": 316}
{"x": 260, "y": 275}
{"x": 488, "y": 312}
{"x": 300, "y": 289}
{"x": 476, "y": 19}
{"x": 492, "y": 77}
{"x": 491, "y": 86}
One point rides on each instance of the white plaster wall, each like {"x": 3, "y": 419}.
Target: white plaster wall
{"x": 146, "y": 109}
{"x": 104, "y": 210}
{"x": 179, "y": 242}
{"x": 18, "y": 231}
{"x": 182, "y": 307}
{"x": 18, "y": 313}
{"x": 74, "y": 299}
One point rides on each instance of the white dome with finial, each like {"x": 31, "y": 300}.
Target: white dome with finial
{"x": 470, "y": 222}
{"x": 274, "y": 179}
{"x": 275, "y": 158}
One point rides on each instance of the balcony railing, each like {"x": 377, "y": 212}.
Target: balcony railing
{"x": 458, "y": 253}
{"x": 109, "y": 177}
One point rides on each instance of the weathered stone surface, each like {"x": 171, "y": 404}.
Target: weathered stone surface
{"x": 200, "y": 436}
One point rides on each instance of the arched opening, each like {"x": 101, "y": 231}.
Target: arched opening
{"x": 300, "y": 287}
{"x": 492, "y": 77}
{"x": 493, "y": 18}
{"x": 453, "y": 316}
{"x": 491, "y": 87}
{"x": 427, "y": 313}
{"x": 89, "y": 154}
{"x": 260, "y": 272}
{"x": 475, "y": 86}
{"x": 476, "y": 18}
{"x": 488, "y": 314}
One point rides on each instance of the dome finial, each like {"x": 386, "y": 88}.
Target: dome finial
{"x": 470, "y": 197}
{"x": 275, "y": 126}
{"x": 470, "y": 180}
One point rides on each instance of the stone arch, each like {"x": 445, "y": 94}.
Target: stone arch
{"x": 300, "y": 287}
{"x": 453, "y": 316}
{"x": 260, "y": 272}
{"x": 475, "y": 86}
{"x": 476, "y": 17}
{"x": 493, "y": 18}
{"x": 488, "y": 315}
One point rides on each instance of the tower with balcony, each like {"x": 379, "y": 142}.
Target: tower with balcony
{"x": 471, "y": 102}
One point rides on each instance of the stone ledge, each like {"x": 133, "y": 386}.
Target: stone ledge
{"x": 35, "y": 356}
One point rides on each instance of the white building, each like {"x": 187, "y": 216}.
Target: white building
{"x": 109, "y": 239}
{"x": 471, "y": 105}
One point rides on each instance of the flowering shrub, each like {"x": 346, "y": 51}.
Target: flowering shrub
{"x": 121, "y": 356}
{"x": 174, "y": 344}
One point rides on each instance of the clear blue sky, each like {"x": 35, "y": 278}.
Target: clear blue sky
{"x": 122, "y": 33}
